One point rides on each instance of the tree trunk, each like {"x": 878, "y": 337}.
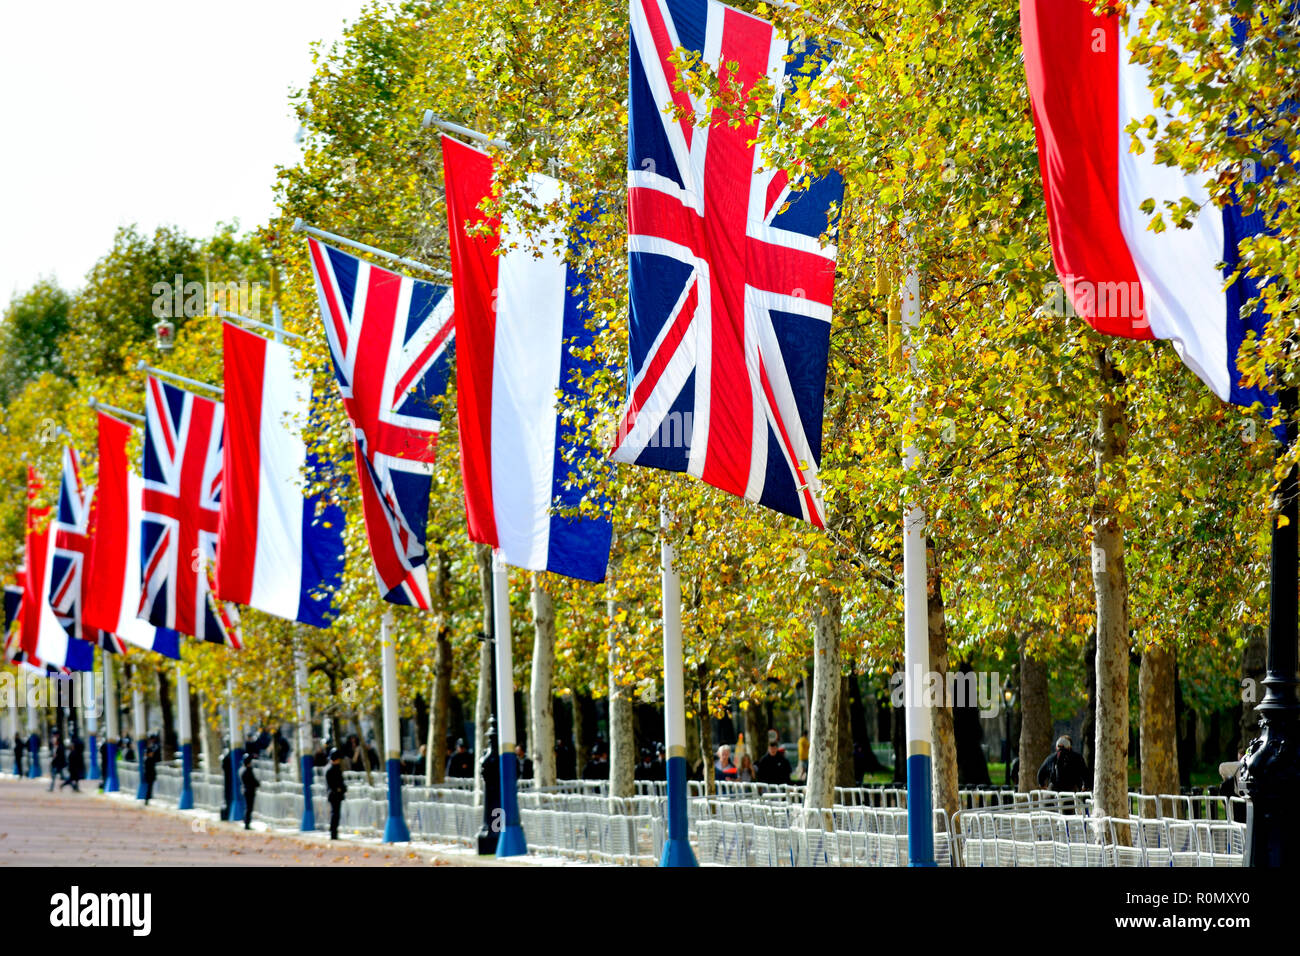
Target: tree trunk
{"x": 211, "y": 740}
{"x": 898, "y": 738}
{"x": 1159, "y": 737}
{"x": 542, "y": 741}
{"x": 943, "y": 735}
{"x": 435, "y": 748}
{"x": 972, "y": 765}
{"x": 756, "y": 731}
{"x": 862, "y": 721}
{"x": 824, "y": 711}
{"x": 168, "y": 717}
{"x": 844, "y": 770}
{"x": 1110, "y": 777}
{"x": 705, "y": 726}
{"x": 1035, "y": 716}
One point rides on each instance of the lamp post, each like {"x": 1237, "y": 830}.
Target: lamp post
{"x": 1272, "y": 771}
{"x": 1008, "y": 698}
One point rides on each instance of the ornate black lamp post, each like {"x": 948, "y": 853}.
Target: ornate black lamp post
{"x": 1272, "y": 772}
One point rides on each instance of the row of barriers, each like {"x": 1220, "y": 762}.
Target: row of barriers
{"x": 760, "y": 825}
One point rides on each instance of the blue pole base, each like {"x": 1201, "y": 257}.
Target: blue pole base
{"x": 308, "y": 812}
{"x": 110, "y": 771}
{"x": 677, "y": 848}
{"x": 236, "y": 788}
{"x": 920, "y": 812}
{"x": 678, "y": 853}
{"x": 94, "y": 759}
{"x": 186, "y": 799}
{"x": 139, "y": 790}
{"x": 395, "y": 830}
{"x": 511, "y": 841}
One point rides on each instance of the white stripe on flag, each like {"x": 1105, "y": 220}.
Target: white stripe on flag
{"x": 1182, "y": 284}
{"x": 277, "y": 570}
{"x": 525, "y": 377}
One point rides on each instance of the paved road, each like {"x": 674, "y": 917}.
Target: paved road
{"x": 39, "y": 828}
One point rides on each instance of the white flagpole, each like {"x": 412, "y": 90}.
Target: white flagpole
{"x": 511, "y": 841}
{"x": 677, "y": 848}
{"x": 916, "y": 639}
{"x": 300, "y": 226}
{"x": 395, "y": 830}
{"x": 186, "y": 734}
{"x": 111, "y": 729}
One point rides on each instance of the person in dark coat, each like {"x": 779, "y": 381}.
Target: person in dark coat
{"x": 523, "y": 765}
{"x": 773, "y": 767}
{"x": 249, "y": 780}
{"x": 227, "y": 787}
{"x": 76, "y": 765}
{"x": 19, "y": 746}
{"x": 460, "y": 763}
{"x": 335, "y": 790}
{"x": 1064, "y": 770}
{"x": 152, "y": 754}
{"x": 597, "y": 767}
{"x": 58, "y": 759}
{"x": 566, "y": 760}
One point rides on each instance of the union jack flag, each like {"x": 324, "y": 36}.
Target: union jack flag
{"x": 730, "y": 284}
{"x": 69, "y": 582}
{"x": 13, "y": 605}
{"x": 391, "y": 341}
{"x": 181, "y": 506}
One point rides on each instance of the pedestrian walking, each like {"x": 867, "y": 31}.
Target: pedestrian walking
{"x": 76, "y": 765}
{"x": 1064, "y": 770}
{"x": 19, "y": 746}
{"x": 58, "y": 759}
{"x": 249, "y": 780}
{"x": 335, "y": 789}
{"x": 152, "y": 754}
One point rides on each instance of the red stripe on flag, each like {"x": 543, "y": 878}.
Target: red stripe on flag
{"x": 106, "y": 569}
{"x": 468, "y": 178}
{"x": 37, "y": 546}
{"x": 1072, "y": 67}
{"x": 326, "y": 277}
{"x": 727, "y": 181}
{"x": 241, "y": 458}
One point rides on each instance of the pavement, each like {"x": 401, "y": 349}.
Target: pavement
{"x": 86, "y": 828}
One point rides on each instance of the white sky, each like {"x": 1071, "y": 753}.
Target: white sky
{"x": 147, "y": 111}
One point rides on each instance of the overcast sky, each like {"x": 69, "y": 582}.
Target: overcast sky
{"x": 143, "y": 111}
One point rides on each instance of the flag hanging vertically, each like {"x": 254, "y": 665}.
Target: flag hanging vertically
{"x": 520, "y": 318}
{"x": 181, "y": 510}
{"x": 44, "y": 641}
{"x": 70, "y": 581}
{"x": 113, "y": 594}
{"x": 274, "y": 552}
{"x": 390, "y": 338}
{"x": 13, "y": 604}
{"x": 730, "y": 285}
{"x": 1121, "y": 277}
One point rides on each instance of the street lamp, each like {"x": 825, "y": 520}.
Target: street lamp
{"x": 1008, "y": 698}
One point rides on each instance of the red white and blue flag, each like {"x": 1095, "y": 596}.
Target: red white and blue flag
{"x": 730, "y": 283}
{"x": 274, "y": 551}
{"x": 70, "y": 581}
{"x": 112, "y": 598}
{"x": 1121, "y": 277}
{"x": 521, "y": 324}
{"x": 391, "y": 339}
{"x": 181, "y": 510}
{"x": 13, "y": 604}
{"x": 44, "y": 640}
